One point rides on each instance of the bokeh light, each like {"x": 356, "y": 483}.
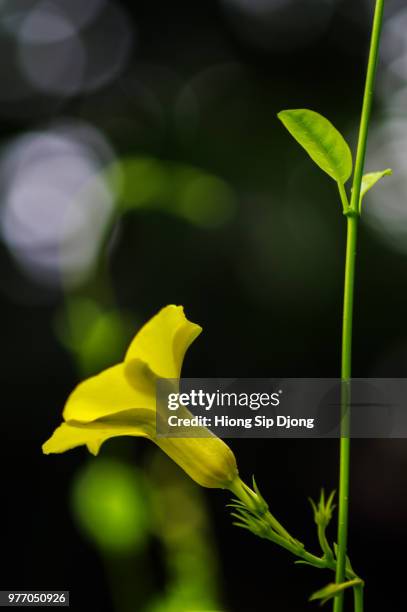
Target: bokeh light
{"x": 384, "y": 206}
{"x": 61, "y": 48}
{"x": 56, "y": 202}
{"x": 14, "y": 12}
{"x": 279, "y": 24}
{"x": 181, "y": 522}
{"x": 96, "y": 337}
{"x": 394, "y": 50}
{"x": 53, "y": 66}
{"x": 192, "y": 194}
{"x": 110, "y": 505}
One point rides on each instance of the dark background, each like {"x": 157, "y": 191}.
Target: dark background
{"x": 265, "y": 283}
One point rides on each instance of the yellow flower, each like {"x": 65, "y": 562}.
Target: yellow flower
{"x": 121, "y": 401}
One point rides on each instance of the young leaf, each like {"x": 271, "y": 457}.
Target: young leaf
{"x": 370, "y": 180}
{"x": 331, "y": 590}
{"x": 321, "y": 140}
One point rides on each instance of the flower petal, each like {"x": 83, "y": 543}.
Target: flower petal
{"x": 69, "y": 435}
{"x": 207, "y": 460}
{"x": 107, "y": 393}
{"x": 163, "y": 342}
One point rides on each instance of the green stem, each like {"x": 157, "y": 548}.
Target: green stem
{"x": 320, "y": 562}
{"x": 344, "y": 198}
{"x": 272, "y": 529}
{"x": 358, "y": 597}
{"x": 367, "y": 104}
{"x": 345, "y": 373}
{"x": 323, "y": 542}
{"x": 352, "y": 224}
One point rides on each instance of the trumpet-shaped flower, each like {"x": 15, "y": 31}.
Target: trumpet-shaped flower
{"x": 121, "y": 401}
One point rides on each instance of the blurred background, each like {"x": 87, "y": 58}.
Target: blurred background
{"x": 142, "y": 164}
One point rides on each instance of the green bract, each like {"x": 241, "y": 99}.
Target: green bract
{"x": 332, "y": 590}
{"x": 370, "y": 180}
{"x": 321, "y": 140}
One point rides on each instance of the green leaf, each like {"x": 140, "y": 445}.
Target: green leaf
{"x": 321, "y": 140}
{"x": 369, "y": 180}
{"x": 332, "y": 590}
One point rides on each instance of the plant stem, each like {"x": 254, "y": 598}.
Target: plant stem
{"x": 262, "y": 523}
{"x": 352, "y": 225}
{"x": 323, "y": 542}
{"x": 367, "y": 104}
{"x": 344, "y": 197}
{"x": 358, "y": 597}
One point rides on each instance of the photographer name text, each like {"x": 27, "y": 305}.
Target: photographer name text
{"x": 280, "y": 421}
